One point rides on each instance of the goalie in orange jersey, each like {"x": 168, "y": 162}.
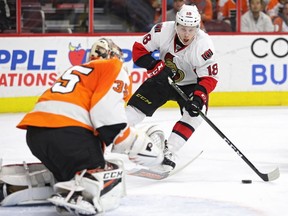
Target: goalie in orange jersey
{"x": 72, "y": 120}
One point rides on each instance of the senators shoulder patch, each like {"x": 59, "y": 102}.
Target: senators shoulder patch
{"x": 158, "y": 27}
{"x": 207, "y": 54}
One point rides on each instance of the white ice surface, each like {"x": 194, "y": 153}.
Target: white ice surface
{"x": 211, "y": 185}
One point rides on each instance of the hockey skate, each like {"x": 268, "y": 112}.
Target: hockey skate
{"x": 169, "y": 159}
{"x": 69, "y": 198}
{"x": 76, "y": 204}
{"x": 169, "y": 162}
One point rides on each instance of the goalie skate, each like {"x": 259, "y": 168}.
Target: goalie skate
{"x": 76, "y": 205}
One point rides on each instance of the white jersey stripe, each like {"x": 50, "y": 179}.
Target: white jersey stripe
{"x": 66, "y": 109}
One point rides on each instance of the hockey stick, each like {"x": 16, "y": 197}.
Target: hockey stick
{"x": 266, "y": 177}
{"x": 159, "y": 175}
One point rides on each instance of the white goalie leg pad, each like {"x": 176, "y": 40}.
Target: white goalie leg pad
{"x": 92, "y": 192}
{"x": 114, "y": 184}
{"x": 69, "y": 198}
{"x": 25, "y": 184}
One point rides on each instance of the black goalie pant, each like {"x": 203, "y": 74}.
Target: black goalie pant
{"x": 65, "y": 151}
{"x": 154, "y": 93}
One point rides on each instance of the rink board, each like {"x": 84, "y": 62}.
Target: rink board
{"x": 217, "y": 99}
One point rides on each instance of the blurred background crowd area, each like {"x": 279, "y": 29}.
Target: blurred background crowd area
{"x": 118, "y": 16}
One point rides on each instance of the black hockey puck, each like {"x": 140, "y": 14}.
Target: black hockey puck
{"x": 246, "y": 181}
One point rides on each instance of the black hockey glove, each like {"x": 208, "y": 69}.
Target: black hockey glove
{"x": 197, "y": 99}
{"x": 192, "y": 106}
{"x": 160, "y": 70}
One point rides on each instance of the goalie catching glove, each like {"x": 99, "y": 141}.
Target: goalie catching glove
{"x": 143, "y": 146}
{"x": 197, "y": 99}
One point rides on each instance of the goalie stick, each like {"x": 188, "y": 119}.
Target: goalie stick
{"x": 264, "y": 176}
{"x": 157, "y": 174}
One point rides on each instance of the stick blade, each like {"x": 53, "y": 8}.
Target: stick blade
{"x": 150, "y": 174}
{"x": 271, "y": 176}
{"x": 160, "y": 174}
{"x": 275, "y": 174}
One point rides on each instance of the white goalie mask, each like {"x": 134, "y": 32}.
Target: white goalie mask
{"x": 100, "y": 50}
{"x": 105, "y": 48}
{"x": 187, "y": 23}
{"x": 116, "y": 52}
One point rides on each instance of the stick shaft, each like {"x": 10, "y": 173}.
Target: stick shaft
{"x": 264, "y": 177}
